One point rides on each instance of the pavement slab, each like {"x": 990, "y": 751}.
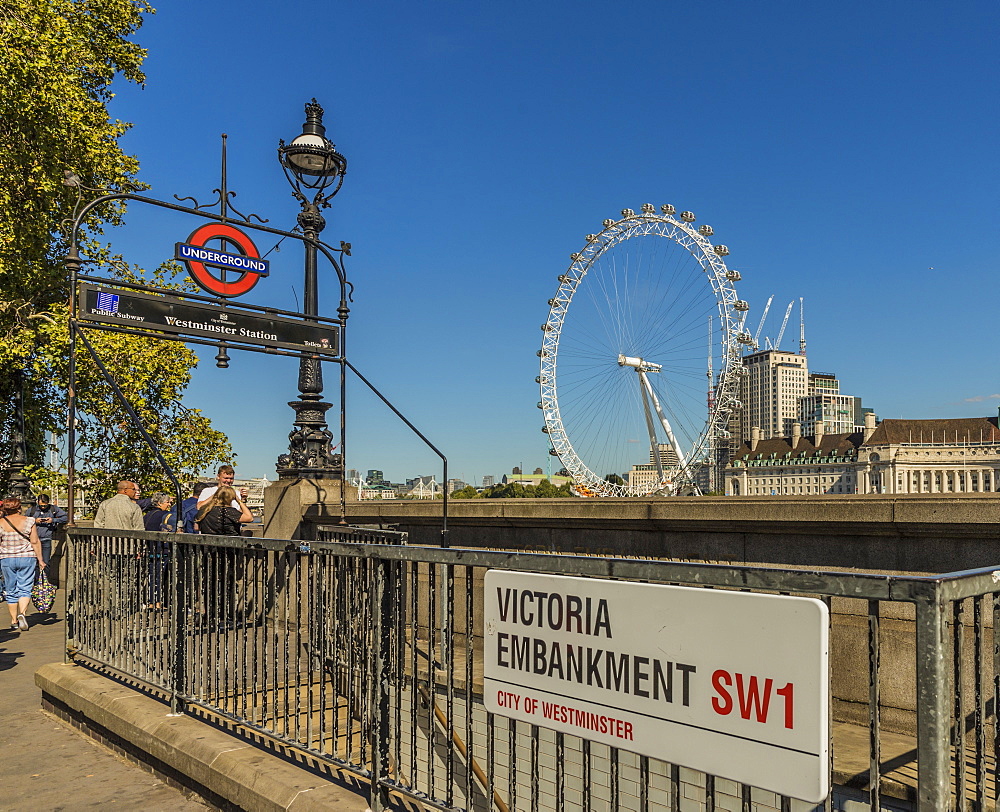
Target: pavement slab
{"x": 48, "y": 764}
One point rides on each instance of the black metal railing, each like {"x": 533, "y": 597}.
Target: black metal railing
{"x": 369, "y": 654}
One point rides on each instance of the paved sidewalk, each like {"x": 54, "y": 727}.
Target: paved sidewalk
{"x": 48, "y": 765}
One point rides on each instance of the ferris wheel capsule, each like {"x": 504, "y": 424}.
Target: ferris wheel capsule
{"x": 688, "y": 216}
{"x": 628, "y": 213}
{"x": 666, "y": 208}
{"x": 648, "y": 208}
{"x": 733, "y": 275}
{"x": 741, "y": 305}
{"x": 744, "y": 338}
{"x": 722, "y": 250}
{"x": 706, "y": 231}
{"x": 608, "y": 223}
{"x": 591, "y": 237}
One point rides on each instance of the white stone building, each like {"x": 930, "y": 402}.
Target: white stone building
{"x": 643, "y": 477}
{"x": 959, "y": 455}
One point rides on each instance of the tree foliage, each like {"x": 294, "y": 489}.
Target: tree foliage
{"x": 515, "y": 490}
{"x": 59, "y": 60}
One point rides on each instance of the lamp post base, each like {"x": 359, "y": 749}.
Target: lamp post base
{"x": 17, "y": 483}
{"x": 310, "y": 445}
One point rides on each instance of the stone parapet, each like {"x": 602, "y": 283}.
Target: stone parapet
{"x": 917, "y": 534}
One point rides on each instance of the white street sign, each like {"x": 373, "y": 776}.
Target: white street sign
{"x": 733, "y": 684}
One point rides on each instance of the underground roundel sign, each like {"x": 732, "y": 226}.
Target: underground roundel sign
{"x": 218, "y": 270}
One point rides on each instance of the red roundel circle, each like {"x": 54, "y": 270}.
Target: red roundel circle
{"x": 209, "y": 281}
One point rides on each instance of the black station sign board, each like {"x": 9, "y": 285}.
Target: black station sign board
{"x": 167, "y": 314}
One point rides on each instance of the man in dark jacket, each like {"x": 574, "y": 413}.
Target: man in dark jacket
{"x": 189, "y": 507}
{"x": 48, "y": 517}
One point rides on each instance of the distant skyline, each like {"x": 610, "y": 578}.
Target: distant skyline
{"x": 845, "y": 154}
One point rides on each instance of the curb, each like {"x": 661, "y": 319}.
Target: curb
{"x": 229, "y": 772}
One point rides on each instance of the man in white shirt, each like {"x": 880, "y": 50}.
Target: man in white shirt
{"x": 225, "y": 476}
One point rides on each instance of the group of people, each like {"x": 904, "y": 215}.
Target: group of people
{"x": 26, "y": 539}
{"x": 25, "y": 549}
{"x": 216, "y": 509}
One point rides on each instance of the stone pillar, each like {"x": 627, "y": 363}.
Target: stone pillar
{"x": 287, "y": 501}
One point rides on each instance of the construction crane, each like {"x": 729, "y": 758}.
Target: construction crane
{"x": 784, "y": 324}
{"x": 802, "y": 329}
{"x": 756, "y": 336}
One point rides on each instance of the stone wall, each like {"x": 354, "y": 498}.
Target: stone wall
{"x": 912, "y": 534}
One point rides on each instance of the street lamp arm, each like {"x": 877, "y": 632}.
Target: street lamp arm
{"x": 346, "y": 295}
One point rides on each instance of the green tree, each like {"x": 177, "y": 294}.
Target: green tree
{"x": 59, "y": 60}
{"x": 468, "y": 492}
{"x": 614, "y": 479}
{"x": 512, "y": 490}
{"x": 515, "y": 490}
{"x": 546, "y": 490}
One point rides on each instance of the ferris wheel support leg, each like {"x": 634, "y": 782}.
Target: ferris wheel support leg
{"x": 663, "y": 420}
{"x": 650, "y": 426}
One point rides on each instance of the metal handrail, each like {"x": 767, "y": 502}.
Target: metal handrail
{"x": 377, "y": 625}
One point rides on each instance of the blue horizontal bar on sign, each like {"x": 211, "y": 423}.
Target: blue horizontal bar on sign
{"x": 221, "y": 259}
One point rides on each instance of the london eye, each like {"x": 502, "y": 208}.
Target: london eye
{"x": 641, "y": 357}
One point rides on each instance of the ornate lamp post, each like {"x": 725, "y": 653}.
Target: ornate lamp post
{"x": 17, "y": 483}
{"x": 315, "y": 171}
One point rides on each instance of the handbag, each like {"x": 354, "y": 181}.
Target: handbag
{"x": 43, "y": 593}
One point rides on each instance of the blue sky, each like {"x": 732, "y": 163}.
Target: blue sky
{"x": 846, "y": 154}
